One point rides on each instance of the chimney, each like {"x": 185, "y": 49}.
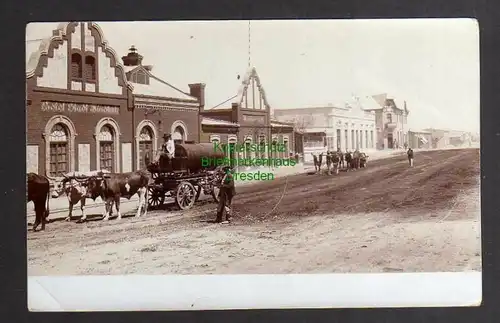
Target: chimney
{"x": 133, "y": 58}
{"x": 198, "y": 91}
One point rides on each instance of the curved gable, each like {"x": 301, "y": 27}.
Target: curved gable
{"x": 51, "y": 65}
{"x": 251, "y": 94}
{"x": 53, "y": 49}
{"x": 111, "y": 71}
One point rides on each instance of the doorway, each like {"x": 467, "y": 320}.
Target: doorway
{"x": 390, "y": 141}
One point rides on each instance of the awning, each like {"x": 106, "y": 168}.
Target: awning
{"x": 422, "y": 139}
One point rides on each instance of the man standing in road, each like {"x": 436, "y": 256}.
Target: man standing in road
{"x": 410, "y": 156}
{"x": 226, "y": 194}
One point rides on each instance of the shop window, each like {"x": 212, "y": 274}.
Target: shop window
{"x": 58, "y": 151}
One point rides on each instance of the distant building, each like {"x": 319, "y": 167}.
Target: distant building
{"x": 248, "y": 120}
{"x": 447, "y": 138}
{"x": 391, "y": 119}
{"x": 346, "y": 126}
{"x": 418, "y": 139}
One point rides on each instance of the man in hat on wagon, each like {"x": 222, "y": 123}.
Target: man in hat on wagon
{"x": 226, "y": 194}
{"x": 167, "y": 148}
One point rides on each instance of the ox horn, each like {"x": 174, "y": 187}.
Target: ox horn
{"x": 51, "y": 178}
{"x": 79, "y": 180}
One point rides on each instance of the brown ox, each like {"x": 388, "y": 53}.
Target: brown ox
{"x": 39, "y": 193}
{"x": 74, "y": 186}
{"x": 114, "y": 186}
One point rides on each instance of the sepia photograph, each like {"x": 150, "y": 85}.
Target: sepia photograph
{"x": 253, "y": 147}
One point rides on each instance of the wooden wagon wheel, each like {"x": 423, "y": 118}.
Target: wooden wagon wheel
{"x": 156, "y": 197}
{"x": 185, "y": 195}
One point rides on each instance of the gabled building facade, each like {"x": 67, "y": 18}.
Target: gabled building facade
{"x": 343, "y": 126}
{"x": 391, "y": 120}
{"x": 247, "y": 121}
{"x": 86, "y": 110}
{"x": 78, "y": 104}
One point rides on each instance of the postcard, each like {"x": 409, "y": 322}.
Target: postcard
{"x": 253, "y": 164}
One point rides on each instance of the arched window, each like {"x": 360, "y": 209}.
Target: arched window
{"x": 76, "y": 66}
{"x": 262, "y": 146}
{"x": 274, "y": 150}
{"x": 248, "y": 143}
{"x": 107, "y": 148}
{"x": 145, "y": 145}
{"x": 232, "y": 140}
{"x": 59, "y": 158}
{"x": 287, "y": 148}
{"x": 178, "y": 135}
{"x": 214, "y": 139}
{"x": 90, "y": 68}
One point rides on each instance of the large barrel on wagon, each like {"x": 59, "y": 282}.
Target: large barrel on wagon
{"x": 185, "y": 176}
{"x": 191, "y": 158}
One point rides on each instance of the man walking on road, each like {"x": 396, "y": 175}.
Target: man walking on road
{"x": 226, "y": 194}
{"x": 410, "y": 156}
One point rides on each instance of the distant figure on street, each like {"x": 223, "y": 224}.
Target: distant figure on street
{"x": 410, "y": 156}
{"x": 226, "y": 194}
{"x": 406, "y": 146}
{"x": 316, "y": 162}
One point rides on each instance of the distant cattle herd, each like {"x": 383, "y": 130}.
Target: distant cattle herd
{"x": 336, "y": 160}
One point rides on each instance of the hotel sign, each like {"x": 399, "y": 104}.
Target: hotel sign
{"x": 51, "y": 106}
{"x": 254, "y": 119}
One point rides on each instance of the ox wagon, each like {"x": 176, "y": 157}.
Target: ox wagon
{"x": 184, "y": 177}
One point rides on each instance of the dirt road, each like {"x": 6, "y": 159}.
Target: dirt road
{"x": 385, "y": 218}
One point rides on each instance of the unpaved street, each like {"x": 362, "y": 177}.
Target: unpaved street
{"x": 385, "y": 218}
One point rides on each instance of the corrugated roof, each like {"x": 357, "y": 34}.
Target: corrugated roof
{"x": 130, "y": 68}
{"x": 218, "y": 122}
{"x": 158, "y": 87}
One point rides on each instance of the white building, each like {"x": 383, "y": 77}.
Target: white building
{"x": 346, "y": 126}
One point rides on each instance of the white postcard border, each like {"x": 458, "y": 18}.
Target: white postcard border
{"x": 216, "y": 292}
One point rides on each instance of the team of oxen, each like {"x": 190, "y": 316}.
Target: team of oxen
{"x": 335, "y": 160}
{"x": 80, "y": 186}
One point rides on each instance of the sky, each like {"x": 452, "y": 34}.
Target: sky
{"x": 433, "y": 64}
